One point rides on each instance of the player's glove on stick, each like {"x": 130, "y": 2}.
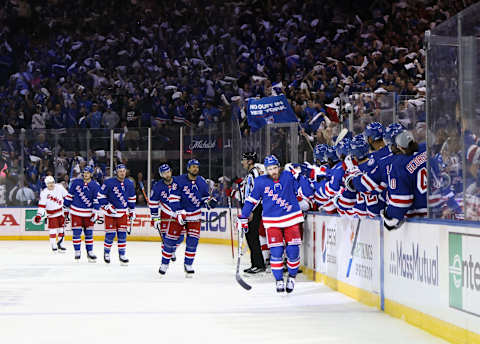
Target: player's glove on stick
{"x": 242, "y": 224}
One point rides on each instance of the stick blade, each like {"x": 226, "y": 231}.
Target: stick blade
{"x": 349, "y": 267}
{"x": 341, "y": 135}
{"x": 242, "y": 283}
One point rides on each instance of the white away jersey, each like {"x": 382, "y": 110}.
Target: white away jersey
{"x": 51, "y": 201}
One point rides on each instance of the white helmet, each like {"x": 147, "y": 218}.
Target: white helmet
{"x": 49, "y": 179}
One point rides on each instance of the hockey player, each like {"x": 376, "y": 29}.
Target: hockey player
{"x": 117, "y": 199}
{"x": 253, "y": 235}
{"x": 80, "y": 203}
{"x": 407, "y": 187}
{"x": 281, "y": 217}
{"x": 187, "y": 202}
{"x": 51, "y": 206}
{"x": 164, "y": 217}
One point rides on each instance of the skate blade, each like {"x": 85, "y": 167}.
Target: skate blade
{"x": 60, "y": 251}
{"x": 90, "y": 260}
{"x": 124, "y": 264}
{"x": 187, "y": 275}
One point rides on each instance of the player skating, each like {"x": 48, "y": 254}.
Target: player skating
{"x": 164, "y": 218}
{"x": 51, "y": 206}
{"x": 281, "y": 217}
{"x": 117, "y": 200}
{"x": 187, "y": 202}
{"x": 80, "y": 203}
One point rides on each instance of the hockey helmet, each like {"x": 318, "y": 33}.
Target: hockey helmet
{"x": 49, "y": 180}
{"x": 331, "y": 154}
{"x": 374, "y": 130}
{"x": 192, "y": 162}
{"x": 250, "y": 156}
{"x": 343, "y": 148}
{"x": 88, "y": 169}
{"x": 319, "y": 152}
{"x": 391, "y": 131}
{"x": 359, "y": 148}
{"x": 163, "y": 168}
{"x": 271, "y": 160}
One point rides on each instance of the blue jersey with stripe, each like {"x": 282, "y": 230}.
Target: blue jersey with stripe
{"x": 82, "y": 197}
{"x": 279, "y": 200}
{"x": 190, "y": 196}
{"x": 119, "y": 194}
{"x": 161, "y": 196}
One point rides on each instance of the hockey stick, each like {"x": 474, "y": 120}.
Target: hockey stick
{"x": 231, "y": 224}
{"x": 341, "y": 135}
{"x": 216, "y": 218}
{"x": 353, "y": 248}
{"x": 239, "y": 279}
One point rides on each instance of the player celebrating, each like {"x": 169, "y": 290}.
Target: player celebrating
{"x": 80, "y": 202}
{"x": 407, "y": 186}
{"x": 192, "y": 194}
{"x": 281, "y": 218}
{"x": 51, "y": 206}
{"x": 171, "y": 231}
{"x": 117, "y": 200}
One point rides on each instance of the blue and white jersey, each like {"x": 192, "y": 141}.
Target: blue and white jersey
{"x": 279, "y": 200}
{"x": 82, "y": 197}
{"x": 190, "y": 196}
{"x": 407, "y": 187}
{"x": 120, "y": 195}
{"x": 333, "y": 186}
{"x": 161, "y": 196}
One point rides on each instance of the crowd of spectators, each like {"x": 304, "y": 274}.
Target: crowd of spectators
{"x": 125, "y": 64}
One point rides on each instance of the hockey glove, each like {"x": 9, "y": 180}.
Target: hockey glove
{"x": 109, "y": 210}
{"x": 349, "y": 181}
{"x": 181, "y": 216}
{"x": 294, "y": 169}
{"x": 131, "y": 215}
{"x": 210, "y": 203}
{"x": 94, "y": 217}
{"x": 66, "y": 215}
{"x": 390, "y": 223}
{"x": 155, "y": 223}
{"x": 242, "y": 224}
{"x": 37, "y": 219}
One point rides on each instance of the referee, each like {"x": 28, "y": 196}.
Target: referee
{"x": 248, "y": 163}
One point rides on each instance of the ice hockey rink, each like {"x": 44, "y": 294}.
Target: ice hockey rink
{"x": 49, "y": 298}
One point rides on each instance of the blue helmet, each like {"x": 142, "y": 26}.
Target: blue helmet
{"x": 331, "y": 154}
{"x": 319, "y": 152}
{"x": 88, "y": 169}
{"x": 391, "y": 131}
{"x": 120, "y": 166}
{"x": 343, "y": 148}
{"x": 271, "y": 160}
{"x": 359, "y": 148}
{"x": 163, "y": 168}
{"x": 375, "y": 131}
{"x": 192, "y": 162}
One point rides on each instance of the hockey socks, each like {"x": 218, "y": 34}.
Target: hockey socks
{"x": 89, "y": 239}
{"x": 53, "y": 238}
{"x": 276, "y": 262}
{"x": 190, "y": 250}
{"x": 107, "y": 246}
{"x": 169, "y": 246}
{"x": 77, "y": 240}
{"x": 293, "y": 259}
{"x": 122, "y": 242}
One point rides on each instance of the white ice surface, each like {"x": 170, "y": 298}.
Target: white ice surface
{"x": 49, "y": 298}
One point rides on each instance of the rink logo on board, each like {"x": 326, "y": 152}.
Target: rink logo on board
{"x": 464, "y": 272}
{"x": 413, "y": 262}
{"x": 216, "y": 226}
{"x": 29, "y": 225}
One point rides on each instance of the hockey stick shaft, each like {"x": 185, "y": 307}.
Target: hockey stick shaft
{"x": 239, "y": 278}
{"x": 231, "y": 225}
{"x": 350, "y": 261}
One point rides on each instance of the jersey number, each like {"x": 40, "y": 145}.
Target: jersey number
{"x": 422, "y": 180}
